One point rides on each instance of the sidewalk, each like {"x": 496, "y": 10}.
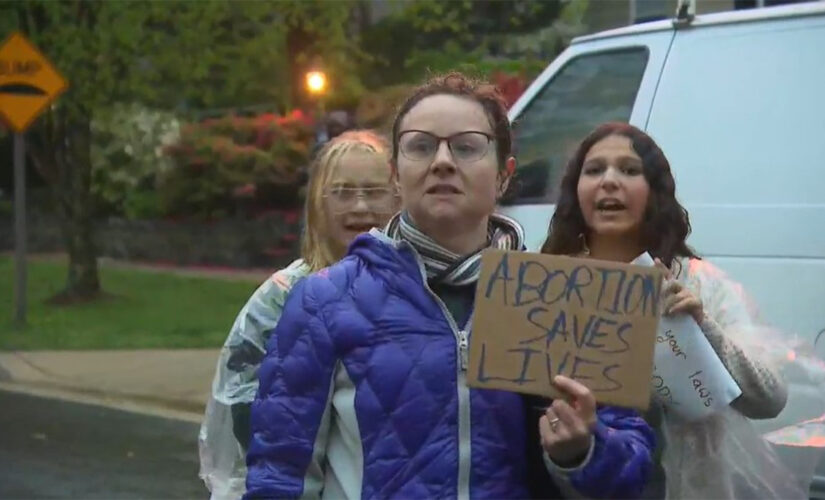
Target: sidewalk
{"x": 173, "y": 383}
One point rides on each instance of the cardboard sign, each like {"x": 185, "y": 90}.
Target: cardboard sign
{"x": 537, "y": 316}
{"x": 689, "y": 379}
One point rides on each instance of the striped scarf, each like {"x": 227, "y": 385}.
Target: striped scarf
{"x": 444, "y": 266}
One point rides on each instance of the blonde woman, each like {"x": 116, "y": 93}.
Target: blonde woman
{"x": 349, "y": 192}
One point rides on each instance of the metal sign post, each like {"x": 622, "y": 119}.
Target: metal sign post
{"x": 19, "y": 229}
{"x": 28, "y": 85}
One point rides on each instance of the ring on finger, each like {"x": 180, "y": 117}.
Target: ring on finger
{"x": 554, "y": 424}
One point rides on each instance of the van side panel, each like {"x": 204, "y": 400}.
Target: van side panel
{"x": 740, "y": 113}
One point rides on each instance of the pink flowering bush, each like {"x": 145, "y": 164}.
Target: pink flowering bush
{"x": 236, "y": 165}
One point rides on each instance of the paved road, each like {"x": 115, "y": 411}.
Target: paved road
{"x": 56, "y": 449}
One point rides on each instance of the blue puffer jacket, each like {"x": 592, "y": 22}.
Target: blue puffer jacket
{"x": 362, "y": 395}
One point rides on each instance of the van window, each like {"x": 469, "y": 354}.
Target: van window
{"x": 587, "y": 91}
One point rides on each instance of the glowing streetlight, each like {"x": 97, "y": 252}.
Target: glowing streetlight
{"x": 316, "y": 82}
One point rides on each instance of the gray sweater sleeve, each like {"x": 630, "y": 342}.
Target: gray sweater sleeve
{"x": 764, "y": 392}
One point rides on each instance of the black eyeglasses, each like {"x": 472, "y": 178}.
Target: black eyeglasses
{"x": 466, "y": 147}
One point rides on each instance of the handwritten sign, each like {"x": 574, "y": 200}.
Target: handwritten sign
{"x": 538, "y": 316}
{"x": 689, "y": 379}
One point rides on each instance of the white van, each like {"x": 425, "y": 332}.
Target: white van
{"x": 737, "y": 103}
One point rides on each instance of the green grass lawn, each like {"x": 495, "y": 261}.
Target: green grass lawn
{"x": 144, "y": 310}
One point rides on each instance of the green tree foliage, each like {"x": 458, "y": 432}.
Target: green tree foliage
{"x": 163, "y": 55}
{"x": 482, "y": 37}
{"x": 320, "y": 35}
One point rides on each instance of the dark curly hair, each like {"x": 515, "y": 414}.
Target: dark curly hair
{"x": 666, "y": 223}
{"x": 458, "y": 84}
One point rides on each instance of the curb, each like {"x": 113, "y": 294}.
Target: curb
{"x": 158, "y": 407}
{"x": 179, "y": 387}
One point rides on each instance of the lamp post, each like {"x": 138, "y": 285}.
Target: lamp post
{"x": 316, "y": 82}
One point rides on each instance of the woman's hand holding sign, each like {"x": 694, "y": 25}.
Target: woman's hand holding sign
{"x": 566, "y": 427}
{"x": 678, "y": 299}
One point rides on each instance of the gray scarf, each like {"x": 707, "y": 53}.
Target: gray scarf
{"x": 444, "y": 266}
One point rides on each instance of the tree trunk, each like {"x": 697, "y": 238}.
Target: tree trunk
{"x": 83, "y": 281}
{"x": 61, "y": 151}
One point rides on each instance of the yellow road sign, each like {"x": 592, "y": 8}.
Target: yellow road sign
{"x": 28, "y": 82}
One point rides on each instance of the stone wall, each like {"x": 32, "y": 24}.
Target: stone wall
{"x": 268, "y": 241}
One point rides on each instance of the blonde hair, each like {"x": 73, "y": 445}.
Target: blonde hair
{"x": 316, "y": 248}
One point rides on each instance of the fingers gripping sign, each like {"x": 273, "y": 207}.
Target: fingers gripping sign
{"x": 567, "y": 426}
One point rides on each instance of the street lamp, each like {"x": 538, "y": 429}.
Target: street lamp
{"x": 316, "y": 82}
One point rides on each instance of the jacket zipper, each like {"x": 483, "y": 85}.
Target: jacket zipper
{"x": 462, "y": 348}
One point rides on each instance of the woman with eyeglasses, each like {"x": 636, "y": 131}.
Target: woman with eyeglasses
{"x": 349, "y": 192}
{"x": 363, "y": 391}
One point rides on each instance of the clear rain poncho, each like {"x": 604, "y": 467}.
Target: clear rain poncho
{"x": 222, "y": 458}
{"x": 725, "y": 456}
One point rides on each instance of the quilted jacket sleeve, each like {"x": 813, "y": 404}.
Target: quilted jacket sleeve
{"x": 290, "y": 415}
{"x": 619, "y": 462}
